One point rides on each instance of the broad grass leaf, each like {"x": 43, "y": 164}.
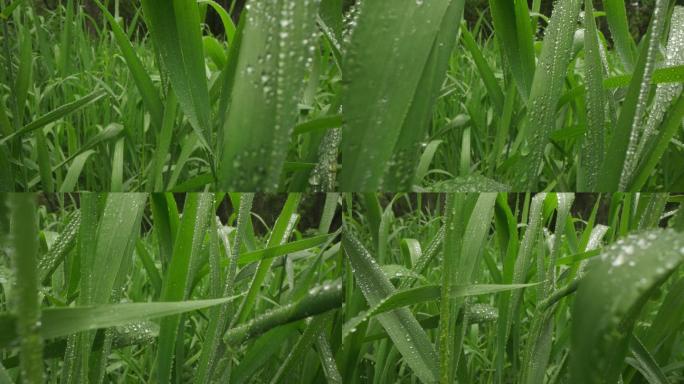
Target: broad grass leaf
{"x": 389, "y": 50}
{"x": 610, "y": 297}
{"x": 273, "y": 60}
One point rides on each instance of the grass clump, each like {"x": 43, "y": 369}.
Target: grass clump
{"x": 169, "y": 288}
{"x": 501, "y": 288}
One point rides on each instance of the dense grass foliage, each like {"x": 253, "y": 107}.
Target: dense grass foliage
{"x": 329, "y": 95}
{"x": 513, "y": 288}
{"x": 159, "y": 103}
{"x": 160, "y": 288}
{"x": 540, "y": 103}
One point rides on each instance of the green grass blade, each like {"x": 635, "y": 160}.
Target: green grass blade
{"x": 61, "y": 246}
{"x": 55, "y": 115}
{"x": 319, "y": 299}
{"x": 404, "y": 330}
{"x": 593, "y": 146}
{"x": 281, "y": 232}
{"x": 150, "y": 95}
{"x": 636, "y": 132}
{"x": 284, "y": 249}
{"x": 411, "y": 296}
{"x": 610, "y": 297}
{"x": 220, "y": 317}
{"x": 188, "y": 241}
{"x": 60, "y": 322}
{"x": 273, "y": 60}
{"x": 547, "y": 88}
{"x": 648, "y": 365}
{"x": 175, "y": 29}
{"x": 400, "y": 173}
{"x": 377, "y": 98}
{"x": 513, "y": 28}
{"x": 616, "y": 15}
{"x": 27, "y": 305}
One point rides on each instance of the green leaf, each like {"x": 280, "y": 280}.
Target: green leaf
{"x": 55, "y": 115}
{"x": 389, "y": 50}
{"x": 547, "y": 88}
{"x": 60, "y": 322}
{"x": 175, "y": 29}
{"x": 610, "y": 297}
{"x": 404, "y": 330}
{"x": 273, "y": 61}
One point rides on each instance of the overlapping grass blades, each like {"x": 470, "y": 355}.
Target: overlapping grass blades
{"x": 107, "y": 269}
{"x": 610, "y": 299}
{"x": 376, "y": 100}
{"x": 547, "y": 87}
{"x": 276, "y": 50}
{"x": 177, "y": 36}
{"x": 402, "y": 327}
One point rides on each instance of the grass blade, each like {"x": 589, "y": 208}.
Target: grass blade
{"x": 610, "y": 297}
{"x": 377, "y": 99}
{"x": 188, "y": 241}
{"x": 593, "y": 147}
{"x": 27, "y": 305}
{"x": 175, "y": 29}
{"x": 547, "y": 87}
{"x": 273, "y": 60}
{"x": 404, "y": 330}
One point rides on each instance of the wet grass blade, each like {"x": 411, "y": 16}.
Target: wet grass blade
{"x": 547, "y": 88}
{"x": 175, "y": 29}
{"x": 319, "y": 299}
{"x": 406, "y": 333}
{"x": 191, "y": 232}
{"x": 273, "y": 61}
{"x": 60, "y": 322}
{"x": 24, "y": 232}
{"x": 593, "y": 146}
{"x": 377, "y": 98}
{"x": 610, "y": 297}
{"x": 513, "y": 28}
{"x": 221, "y": 316}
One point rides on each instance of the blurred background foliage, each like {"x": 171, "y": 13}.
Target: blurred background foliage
{"x": 639, "y": 11}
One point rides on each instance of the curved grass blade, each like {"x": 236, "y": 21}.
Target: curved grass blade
{"x": 319, "y": 299}
{"x": 60, "y": 322}
{"x": 610, "y": 297}
{"x": 404, "y": 330}
{"x": 273, "y": 60}
{"x": 547, "y": 88}
{"x": 55, "y": 115}
{"x": 411, "y": 296}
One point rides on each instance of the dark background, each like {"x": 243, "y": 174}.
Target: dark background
{"x": 639, "y": 12}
